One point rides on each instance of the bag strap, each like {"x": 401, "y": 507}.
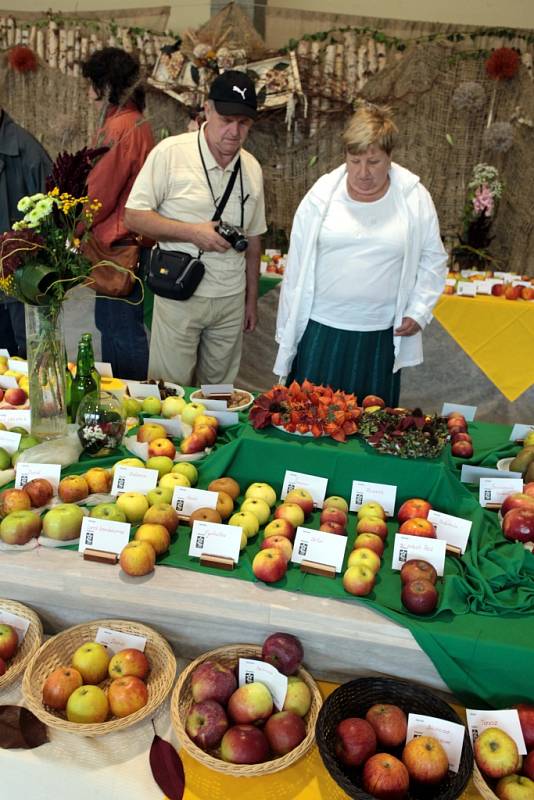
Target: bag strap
{"x": 229, "y": 186}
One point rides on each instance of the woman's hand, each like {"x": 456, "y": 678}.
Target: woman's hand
{"x": 408, "y": 327}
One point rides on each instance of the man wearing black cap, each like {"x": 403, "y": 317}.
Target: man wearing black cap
{"x": 174, "y": 198}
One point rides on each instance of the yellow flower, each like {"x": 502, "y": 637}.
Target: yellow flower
{"x": 54, "y": 192}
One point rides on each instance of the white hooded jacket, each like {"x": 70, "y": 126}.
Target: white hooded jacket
{"x": 423, "y": 269}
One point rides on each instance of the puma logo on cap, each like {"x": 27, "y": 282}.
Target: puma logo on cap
{"x": 242, "y": 92}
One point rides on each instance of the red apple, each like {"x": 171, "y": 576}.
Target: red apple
{"x": 426, "y": 760}
{"x": 72, "y": 489}
{"x": 59, "y": 686}
{"x": 331, "y": 514}
{"x": 528, "y": 488}
{"x": 415, "y": 507}
{"x": 512, "y": 292}
{"x": 251, "y": 703}
{"x": 459, "y": 423}
{"x": 291, "y": 512}
{"x": 129, "y": 662}
{"x": 162, "y": 514}
{"x": 244, "y": 744}
{"x": 415, "y": 569}
{"x": 281, "y": 543}
{"x": 496, "y": 753}
{"x": 162, "y": 446}
{"x": 213, "y": 681}
{"x": 418, "y": 526}
{"x": 359, "y": 580}
{"x": 40, "y": 492}
{"x": 372, "y": 524}
{"x": 127, "y": 695}
{"x": 355, "y": 741}
{"x": 518, "y": 524}
{"x": 283, "y": 651}
{"x": 269, "y": 565}
{"x": 497, "y": 289}
{"x": 284, "y": 731}
{"x": 385, "y": 777}
{"x": 9, "y": 641}
{"x": 14, "y": 500}
{"x": 15, "y": 396}
{"x": 302, "y": 498}
{"x": 372, "y": 400}
{"x": 280, "y": 527}
{"x": 517, "y": 500}
{"x": 370, "y": 541}
{"x": 3, "y": 667}
{"x": 460, "y": 437}
{"x": 527, "y": 292}
{"x": 389, "y": 723}
{"x": 419, "y": 597}
{"x": 20, "y": 527}
{"x": 137, "y": 558}
{"x": 206, "y": 724}
{"x": 526, "y": 720}
{"x": 333, "y": 527}
{"x": 462, "y": 449}
{"x": 528, "y": 765}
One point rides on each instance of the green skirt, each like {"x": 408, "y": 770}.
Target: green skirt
{"x": 358, "y": 362}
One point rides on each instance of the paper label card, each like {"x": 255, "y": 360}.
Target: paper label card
{"x": 8, "y": 382}
{"x": 225, "y": 417}
{"x": 313, "y": 484}
{"x": 134, "y": 479}
{"x": 4, "y": 352}
{"x": 449, "y": 734}
{"x": 492, "y": 491}
{"x": 454, "y": 530}
{"x": 117, "y": 640}
{"x": 209, "y": 389}
{"x": 320, "y": 547}
{"x": 450, "y": 282}
{"x": 252, "y": 671}
{"x": 484, "y": 287}
{"x": 17, "y": 366}
{"x": 12, "y": 418}
{"x": 505, "y": 719}
{"x": 466, "y": 289}
{"x": 213, "y": 405}
{"x": 472, "y": 474}
{"x": 520, "y": 431}
{"x": 104, "y": 369}
{"x": 24, "y": 473}
{"x": 408, "y": 547}
{"x": 103, "y": 534}
{"x": 507, "y": 277}
{"x": 364, "y": 492}
{"x": 142, "y": 390}
{"x": 10, "y": 441}
{"x": 185, "y": 499}
{"x": 21, "y": 624}
{"x": 214, "y": 539}
{"x": 172, "y": 426}
{"x": 468, "y": 412}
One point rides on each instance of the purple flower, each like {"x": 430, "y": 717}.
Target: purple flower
{"x": 483, "y": 201}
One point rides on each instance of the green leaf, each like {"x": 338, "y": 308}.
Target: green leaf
{"x": 449, "y": 139}
{"x": 313, "y": 160}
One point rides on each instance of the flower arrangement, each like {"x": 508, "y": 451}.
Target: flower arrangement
{"x": 307, "y": 409}
{"x": 404, "y": 433}
{"x": 484, "y": 191}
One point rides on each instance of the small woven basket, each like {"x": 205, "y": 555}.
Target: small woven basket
{"x": 58, "y": 651}
{"x": 182, "y": 700}
{"x": 353, "y": 699}
{"x": 481, "y": 785}
{"x": 30, "y": 645}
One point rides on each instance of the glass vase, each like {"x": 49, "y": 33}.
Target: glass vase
{"x": 45, "y": 343}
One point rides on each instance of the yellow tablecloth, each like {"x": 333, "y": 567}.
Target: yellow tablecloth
{"x": 497, "y": 334}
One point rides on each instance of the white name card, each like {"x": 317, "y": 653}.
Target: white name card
{"x": 507, "y": 277}
{"x": 251, "y": 671}
{"x": 4, "y": 352}
{"x": 225, "y": 417}
{"x": 117, "y": 640}
{"x": 407, "y": 547}
{"x": 8, "y": 382}
{"x": 313, "y": 484}
{"x": 213, "y": 405}
{"x": 10, "y": 441}
{"x": 484, "y": 287}
{"x": 24, "y": 473}
{"x": 214, "y": 539}
{"x": 173, "y": 426}
{"x": 320, "y": 547}
{"x": 12, "y": 418}
{"x": 17, "y": 366}
{"x": 505, "y": 719}
{"x": 520, "y": 431}
{"x": 472, "y": 474}
{"x": 102, "y": 534}
{"x": 454, "y": 530}
{"x": 466, "y": 289}
{"x": 449, "y": 734}
{"x": 209, "y": 389}
{"x": 364, "y": 492}
{"x": 134, "y": 479}
{"x": 21, "y": 624}
{"x": 142, "y": 390}
{"x": 492, "y": 491}
{"x": 185, "y": 499}
{"x": 468, "y": 412}
{"x": 104, "y": 369}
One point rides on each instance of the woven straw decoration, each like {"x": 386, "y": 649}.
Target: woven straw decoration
{"x": 30, "y": 645}
{"x": 481, "y": 784}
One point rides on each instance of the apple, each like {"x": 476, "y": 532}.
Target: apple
{"x": 515, "y": 787}
{"x": 3, "y": 667}
{"x": 127, "y": 462}
{"x": 9, "y": 641}
{"x": 372, "y": 400}
{"x": 244, "y": 744}
{"x": 359, "y": 580}
{"x": 269, "y": 565}
{"x": 59, "y": 686}
{"x": 206, "y": 515}
{"x": 131, "y": 406}
{"x": 40, "y": 492}
{"x": 205, "y": 419}
{"x": 281, "y": 543}
{"x": 161, "y": 494}
{"x": 172, "y": 406}
{"x": 206, "y": 434}
{"x": 247, "y": 521}
{"x": 415, "y": 569}
{"x": 127, "y": 695}
{"x": 298, "y": 696}
{"x": 280, "y": 527}
{"x": 151, "y": 406}
{"x": 63, "y": 522}
{"x": 526, "y": 720}
{"x": 134, "y": 505}
{"x": 371, "y": 509}
{"x": 497, "y": 289}
{"x": 213, "y": 681}
{"x": 496, "y": 753}
{"x": 284, "y": 731}
{"x": 334, "y": 501}
{"x": 225, "y": 505}
{"x": 283, "y": 651}
{"x": 512, "y": 292}
{"x": 258, "y": 507}
{"x": 190, "y": 411}
{"x": 173, "y": 479}
{"x": 415, "y": 507}
{"x": 385, "y": 777}
{"x": 527, "y": 292}
{"x": 150, "y": 431}
{"x": 517, "y": 500}
{"x": 226, "y": 484}
{"x": 14, "y": 500}
{"x": 372, "y": 524}
{"x": 129, "y": 662}
{"x": 109, "y": 511}
{"x": 292, "y": 512}
{"x": 88, "y": 704}
{"x": 333, "y": 527}
{"x": 332, "y": 514}
{"x": 456, "y": 425}
{"x": 528, "y": 488}
{"x": 462, "y": 449}
{"x": 364, "y": 557}
{"x": 137, "y": 558}
{"x": 302, "y": 498}
{"x": 187, "y": 469}
{"x": 92, "y": 661}
{"x": 460, "y": 437}
{"x": 426, "y": 760}
{"x": 206, "y": 724}
{"x": 371, "y": 542}
{"x": 528, "y": 765}
{"x": 355, "y": 741}
{"x": 420, "y": 596}
{"x": 251, "y": 703}
{"x": 15, "y": 396}
{"x": 162, "y": 463}
{"x": 263, "y": 491}
{"x": 162, "y": 514}
{"x": 518, "y": 524}
{"x": 98, "y": 480}
{"x": 72, "y": 489}
{"x": 20, "y": 527}
{"x": 157, "y": 535}
{"x": 418, "y": 526}
{"x": 389, "y": 723}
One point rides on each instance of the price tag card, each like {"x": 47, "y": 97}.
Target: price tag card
{"x": 466, "y": 289}
{"x": 472, "y": 474}
{"x": 520, "y": 431}
{"x": 17, "y": 366}
{"x": 134, "y": 479}
{"x": 364, "y": 492}
{"x": 467, "y": 411}
{"x": 484, "y": 287}
{"x": 102, "y": 534}
{"x": 407, "y": 547}
{"x": 213, "y": 405}
{"x": 172, "y": 426}
{"x": 16, "y": 419}
{"x": 450, "y": 282}
{"x": 507, "y": 277}
{"x": 225, "y": 417}
{"x": 506, "y": 719}
{"x": 104, "y": 369}
{"x": 8, "y": 382}
{"x": 185, "y": 499}
{"x": 210, "y": 389}
{"x": 117, "y": 640}
{"x": 252, "y": 671}
{"x": 215, "y": 540}
{"x": 142, "y": 390}
{"x": 492, "y": 491}
{"x": 10, "y": 441}
{"x": 27, "y": 472}
{"x": 454, "y": 530}
{"x": 520, "y": 283}
{"x": 449, "y": 734}
{"x": 4, "y": 352}
{"x": 320, "y": 547}
{"x": 313, "y": 484}
{"x": 21, "y": 624}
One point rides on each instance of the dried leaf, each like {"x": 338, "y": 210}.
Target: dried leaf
{"x": 167, "y": 768}
{"x": 19, "y": 728}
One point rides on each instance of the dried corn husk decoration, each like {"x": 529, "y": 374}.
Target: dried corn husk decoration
{"x": 328, "y": 76}
{"x": 10, "y": 31}
{"x": 315, "y": 81}
{"x": 349, "y": 40}
{"x": 526, "y": 59}
{"x": 52, "y": 44}
{"x": 62, "y": 50}
{"x": 40, "y": 43}
{"x": 381, "y": 55}
{"x": 371, "y": 58}
{"x": 361, "y": 67}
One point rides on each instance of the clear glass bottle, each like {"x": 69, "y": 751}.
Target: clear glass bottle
{"x": 84, "y": 382}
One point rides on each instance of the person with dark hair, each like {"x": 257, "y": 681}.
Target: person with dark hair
{"x": 115, "y": 87}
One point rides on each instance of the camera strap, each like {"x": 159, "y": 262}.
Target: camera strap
{"x": 229, "y": 186}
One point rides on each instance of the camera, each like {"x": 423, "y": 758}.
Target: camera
{"x": 233, "y": 236}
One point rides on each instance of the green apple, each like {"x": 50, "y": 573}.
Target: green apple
{"x": 20, "y": 527}
{"x": 172, "y": 406}
{"x": 298, "y": 696}
{"x": 109, "y": 511}
{"x": 152, "y": 406}
{"x": 262, "y": 491}
{"x": 189, "y": 470}
{"x": 173, "y": 479}
{"x": 247, "y": 521}
{"x": 132, "y": 407}
{"x": 88, "y": 704}
{"x": 127, "y": 462}
{"x": 134, "y": 505}
{"x": 5, "y": 459}
{"x": 18, "y": 429}
{"x": 63, "y": 522}
{"x": 2, "y": 427}
{"x": 258, "y": 507}
{"x": 336, "y": 502}
{"x": 161, "y": 494}
{"x": 163, "y": 464}
{"x": 190, "y": 411}
{"x": 26, "y": 442}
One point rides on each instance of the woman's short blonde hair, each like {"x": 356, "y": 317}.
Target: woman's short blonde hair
{"x": 369, "y": 125}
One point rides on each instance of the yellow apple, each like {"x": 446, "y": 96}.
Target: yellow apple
{"x": 263, "y": 491}
{"x": 172, "y": 406}
{"x": 247, "y": 521}
{"x": 138, "y": 558}
{"x": 152, "y": 406}
{"x": 150, "y": 431}
{"x": 173, "y": 479}
{"x": 162, "y": 463}
{"x": 88, "y": 704}
{"x": 91, "y": 660}
{"x": 258, "y": 507}
{"x": 161, "y": 494}
{"x": 127, "y": 462}
{"x": 157, "y": 535}
{"x": 366, "y": 557}
{"x": 187, "y": 469}
{"x": 134, "y": 505}
{"x": 99, "y": 480}
{"x": 72, "y": 489}
{"x": 190, "y": 411}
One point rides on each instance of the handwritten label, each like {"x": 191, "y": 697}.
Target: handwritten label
{"x": 17, "y": 366}
{"x": 21, "y": 624}
{"x": 212, "y": 405}
{"x": 468, "y": 412}
{"x": 209, "y": 389}
{"x": 215, "y": 540}
{"x": 10, "y": 441}
{"x": 172, "y": 426}
{"x": 12, "y": 418}
{"x": 454, "y": 530}
{"x": 104, "y": 369}
{"x": 134, "y": 479}
{"x": 313, "y": 484}
{"x": 225, "y": 417}
{"x": 449, "y": 734}
{"x": 103, "y": 534}
{"x": 320, "y": 547}
{"x": 186, "y": 499}
{"x": 520, "y": 431}
{"x": 28, "y": 472}
{"x": 364, "y": 492}
{"x": 142, "y": 390}
{"x": 8, "y": 382}
{"x": 472, "y": 474}
{"x": 492, "y": 491}
{"x": 118, "y": 640}
{"x": 505, "y": 719}
{"x": 466, "y": 289}
{"x": 252, "y": 671}
{"x": 407, "y": 547}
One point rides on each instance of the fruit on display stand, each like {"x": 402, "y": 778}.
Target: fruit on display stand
{"x": 302, "y": 498}
{"x": 419, "y": 596}
{"x": 258, "y": 507}
{"x": 161, "y": 494}
{"x": 150, "y": 431}
{"x": 373, "y": 524}
{"x": 518, "y": 524}
{"x": 187, "y": 469}
{"x": 190, "y": 411}
{"x": 192, "y": 444}
{"x": 526, "y": 720}
{"x": 281, "y": 543}
{"x": 59, "y": 686}
{"x": 129, "y": 662}
{"x": 40, "y": 492}
{"x": 134, "y": 505}
{"x": 109, "y": 511}
{"x": 280, "y": 527}
{"x": 385, "y": 777}
{"x": 283, "y": 651}
{"x": 161, "y": 447}
{"x": 517, "y": 500}
{"x": 206, "y": 724}
{"x": 414, "y": 507}
{"x": 365, "y": 557}
{"x": 426, "y": 760}
{"x": 225, "y": 484}
{"x": 262, "y": 491}
{"x": 244, "y": 744}
{"x": 137, "y": 558}
{"x": 213, "y": 681}
{"x": 98, "y": 480}
{"x": 127, "y": 695}
{"x": 172, "y": 407}
{"x": 359, "y": 580}
{"x": 156, "y": 535}
{"x": 333, "y": 527}
{"x": 496, "y": 753}
{"x": 63, "y": 522}
{"x": 515, "y": 787}
{"x": 20, "y": 527}
{"x": 127, "y": 462}
{"x": 291, "y": 512}
{"x": 335, "y": 515}
{"x": 173, "y": 479}
{"x": 225, "y": 505}
{"x": 284, "y": 731}
{"x": 206, "y": 515}
{"x": 14, "y": 500}
{"x": 9, "y": 641}
{"x": 251, "y": 703}
{"x": 247, "y": 521}
{"x": 88, "y": 705}
{"x": 371, "y": 541}
{"x": 355, "y": 741}
{"x": 334, "y": 501}
{"x": 163, "y": 464}
{"x": 371, "y": 509}
{"x": 418, "y": 526}
{"x": 152, "y": 406}
{"x": 162, "y": 514}
{"x": 298, "y": 696}
{"x": 92, "y": 661}
{"x": 389, "y": 723}
{"x": 269, "y": 565}
{"x": 73, "y": 489}
{"x": 414, "y": 569}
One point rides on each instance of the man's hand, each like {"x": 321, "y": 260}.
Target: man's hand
{"x": 206, "y": 238}
{"x": 408, "y": 327}
{"x": 251, "y": 317}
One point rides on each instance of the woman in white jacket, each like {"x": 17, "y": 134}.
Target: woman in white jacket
{"x": 366, "y": 266}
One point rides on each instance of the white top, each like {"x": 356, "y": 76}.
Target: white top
{"x": 172, "y": 182}
{"x": 359, "y": 263}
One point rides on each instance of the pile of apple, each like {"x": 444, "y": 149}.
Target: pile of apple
{"x": 241, "y": 725}
{"x": 204, "y": 434}
{"x": 84, "y": 692}
{"x": 517, "y": 512}
{"x": 423, "y": 760}
{"x": 365, "y": 560}
{"x": 9, "y": 642}
{"x": 510, "y": 775}
{"x": 461, "y": 442}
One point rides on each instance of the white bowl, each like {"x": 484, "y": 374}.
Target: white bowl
{"x": 243, "y": 407}
{"x": 504, "y": 464}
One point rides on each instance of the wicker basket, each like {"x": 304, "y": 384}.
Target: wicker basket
{"x": 182, "y": 700}
{"x": 30, "y": 645}
{"x": 353, "y": 699}
{"x": 483, "y": 788}
{"x": 58, "y": 651}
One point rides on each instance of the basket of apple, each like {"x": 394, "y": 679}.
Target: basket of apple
{"x": 361, "y": 735}
{"x": 79, "y": 685}
{"x": 499, "y": 770}
{"x": 238, "y": 730}
{"x": 16, "y": 647}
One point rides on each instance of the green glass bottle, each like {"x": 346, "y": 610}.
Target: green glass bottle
{"x": 68, "y": 388}
{"x": 84, "y": 382}
{"x": 88, "y": 339}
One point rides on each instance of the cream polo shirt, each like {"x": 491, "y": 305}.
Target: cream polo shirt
{"x": 172, "y": 182}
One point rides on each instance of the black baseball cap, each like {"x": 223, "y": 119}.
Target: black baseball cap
{"x": 233, "y": 93}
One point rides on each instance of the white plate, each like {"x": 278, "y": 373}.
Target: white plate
{"x": 243, "y": 407}
{"x": 504, "y": 464}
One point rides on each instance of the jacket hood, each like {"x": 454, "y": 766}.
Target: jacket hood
{"x": 322, "y": 190}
